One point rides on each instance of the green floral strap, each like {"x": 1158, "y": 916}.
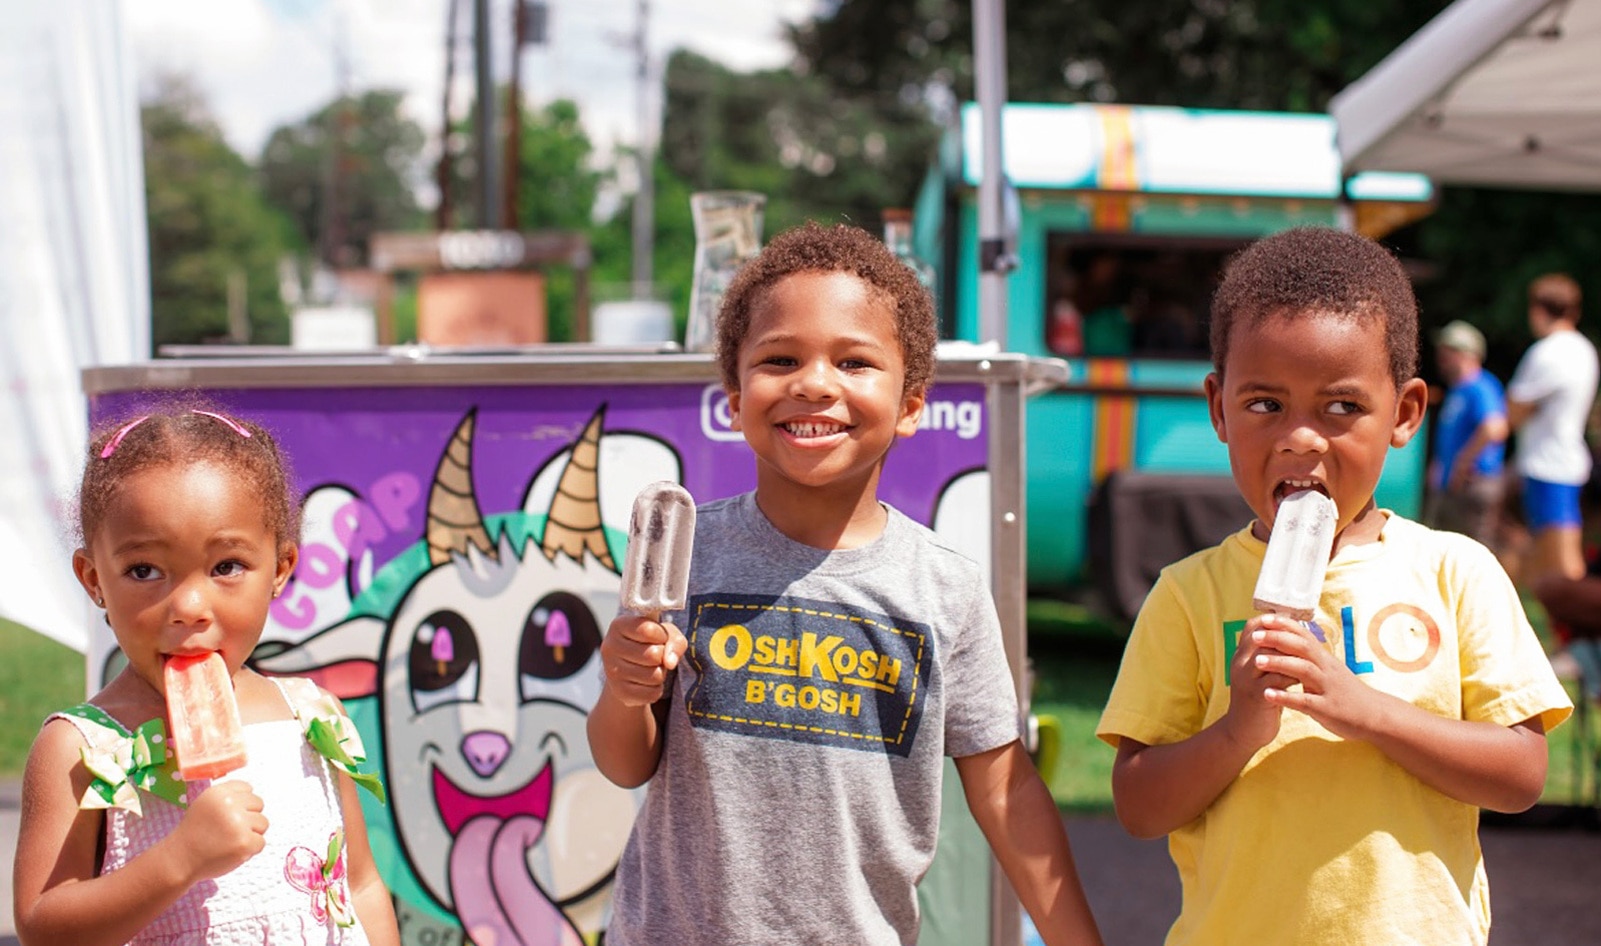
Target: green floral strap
{"x": 127, "y": 761}
{"x": 331, "y": 733}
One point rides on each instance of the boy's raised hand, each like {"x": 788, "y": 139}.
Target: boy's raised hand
{"x": 638, "y": 654}
{"x": 1330, "y": 693}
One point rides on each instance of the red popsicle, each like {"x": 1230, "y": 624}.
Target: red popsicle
{"x": 206, "y": 732}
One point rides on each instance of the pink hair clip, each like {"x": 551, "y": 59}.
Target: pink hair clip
{"x": 116, "y": 438}
{"x": 238, "y": 428}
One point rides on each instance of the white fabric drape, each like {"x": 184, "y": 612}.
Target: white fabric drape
{"x": 74, "y": 279}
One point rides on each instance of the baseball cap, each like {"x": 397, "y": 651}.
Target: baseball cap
{"x": 1460, "y": 336}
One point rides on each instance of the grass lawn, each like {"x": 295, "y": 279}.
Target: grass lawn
{"x": 37, "y": 677}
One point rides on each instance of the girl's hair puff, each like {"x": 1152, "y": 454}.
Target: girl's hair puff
{"x": 181, "y": 432}
{"x": 813, "y": 248}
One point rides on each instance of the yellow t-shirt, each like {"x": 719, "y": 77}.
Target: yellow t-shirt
{"x": 1320, "y": 839}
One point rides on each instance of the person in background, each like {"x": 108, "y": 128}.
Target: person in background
{"x": 1548, "y": 404}
{"x": 1575, "y": 604}
{"x": 1465, "y": 476}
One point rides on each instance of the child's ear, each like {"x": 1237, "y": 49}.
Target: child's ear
{"x": 88, "y": 576}
{"x": 287, "y": 560}
{"x": 912, "y": 403}
{"x": 1214, "y": 405}
{"x": 733, "y": 409}
{"x": 1410, "y": 407}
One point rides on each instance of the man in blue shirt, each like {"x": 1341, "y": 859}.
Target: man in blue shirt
{"x": 1465, "y": 476}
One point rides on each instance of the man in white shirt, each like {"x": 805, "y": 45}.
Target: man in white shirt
{"x": 1548, "y": 403}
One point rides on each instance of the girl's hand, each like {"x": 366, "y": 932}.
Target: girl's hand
{"x": 1252, "y": 720}
{"x": 1330, "y": 693}
{"x": 638, "y": 654}
{"x": 223, "y": 828}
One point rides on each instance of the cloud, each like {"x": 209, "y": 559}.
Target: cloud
{"x": 265, "y": 63}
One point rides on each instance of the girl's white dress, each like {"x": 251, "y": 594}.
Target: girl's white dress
{"x": 287, "y": 895}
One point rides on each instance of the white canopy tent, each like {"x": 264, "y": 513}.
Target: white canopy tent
{"x": 1497, "y": 93}
{"x": 74, "y": 283}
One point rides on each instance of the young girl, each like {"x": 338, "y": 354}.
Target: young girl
{"x": 189, "y": 530}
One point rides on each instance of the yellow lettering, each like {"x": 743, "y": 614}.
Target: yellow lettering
{"x": 755, "y": 691}
{"x": 810, "y": 697}
{"x": 765, "y": 653}
{"x": 788, "y": 650}
{"x": 850, "y": 704}
{"x": 889, "y": 670}
{"x": 784, "y": 694}
{"x": 815, "y": 654}
{"x": 868, "y": 665}
{"x": 737, "y": 635}
{"x": 845, "y": 660}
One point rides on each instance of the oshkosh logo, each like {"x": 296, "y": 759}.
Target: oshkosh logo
{"x": 808, "y": 671}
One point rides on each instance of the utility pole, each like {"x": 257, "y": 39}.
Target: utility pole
{"x": 488, "y": 173}
{"x": 514, "y": 116}
{"x": 442, "y": 213}
{"x": 645, "y": 200}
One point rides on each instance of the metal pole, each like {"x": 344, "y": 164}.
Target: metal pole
{"x": 442, "y": 212}
{"x": 488, "y": 174}
{"x": 645, "y": 199}
{"x": 989, "y": 81}
{"x": 514, "y": 118}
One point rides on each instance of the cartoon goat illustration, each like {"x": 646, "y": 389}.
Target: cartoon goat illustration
{"x": 485, "y": 674}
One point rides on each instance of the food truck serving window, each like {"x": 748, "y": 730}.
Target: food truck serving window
{"x": 1110, "y": 295}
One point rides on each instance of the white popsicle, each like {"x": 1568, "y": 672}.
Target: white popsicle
{"x": 1297, "y": 557}
{"x": 661, "y": 537}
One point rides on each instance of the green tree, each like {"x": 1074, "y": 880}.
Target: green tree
{"x": 814, "y": 153}
{"x": 557, "y": 184}
{"x": 1262, "y": 54}
{"x": 557, "y": 180}
{"x": 366, "y": 154}
{"x": 209, "y": 226}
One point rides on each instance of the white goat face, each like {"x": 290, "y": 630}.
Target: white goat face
{"x": 489, "y": 670}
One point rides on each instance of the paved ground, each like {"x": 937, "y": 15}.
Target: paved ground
{"x": 1545, "y": 870}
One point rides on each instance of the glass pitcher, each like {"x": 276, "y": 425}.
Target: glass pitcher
{"x": 728, "y": 232}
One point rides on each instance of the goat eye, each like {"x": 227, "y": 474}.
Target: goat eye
{"x": 559, "y": 637}
{"x": 443, "y": 660}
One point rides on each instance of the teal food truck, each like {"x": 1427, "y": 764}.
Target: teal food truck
{"x": 1124, "y": 216}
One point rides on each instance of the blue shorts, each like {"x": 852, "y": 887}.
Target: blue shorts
{"x": 1551, "y": 505}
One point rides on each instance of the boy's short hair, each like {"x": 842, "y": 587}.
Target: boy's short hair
{"x": 812, "y": 247}
{"x": 1318, "y": 270}
{"x": 1558, "y": 294}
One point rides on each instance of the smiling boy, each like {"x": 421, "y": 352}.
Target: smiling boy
{"x": 1321, "y": 782}
{"x": 832, "y": 654}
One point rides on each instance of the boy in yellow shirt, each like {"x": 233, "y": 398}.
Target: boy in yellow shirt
{"x": 1321, "y": 782}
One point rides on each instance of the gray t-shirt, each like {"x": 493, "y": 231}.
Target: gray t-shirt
{"x": 798, "y": 795}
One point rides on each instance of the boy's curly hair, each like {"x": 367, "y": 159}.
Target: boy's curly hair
{"x": 184, "y": 430}
{"x": 1318, "y": 271}
{"x": 840, "y": 248}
